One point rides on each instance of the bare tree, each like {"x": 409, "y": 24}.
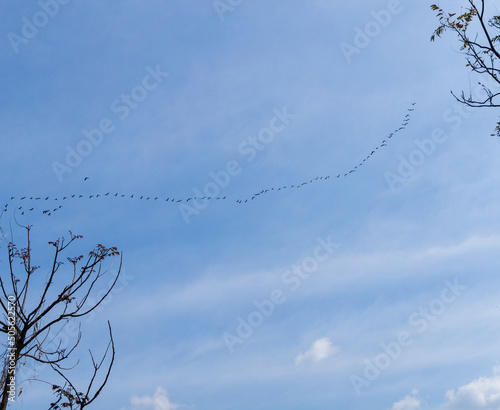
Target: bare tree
{"x": 479, "y": 36}
{"x": 36, "y": 307}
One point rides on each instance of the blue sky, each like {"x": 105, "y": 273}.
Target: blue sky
{"x": 375, "y": 290}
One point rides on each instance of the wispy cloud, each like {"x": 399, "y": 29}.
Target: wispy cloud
{"x": 409, "y": 402}
{"x": 158, "y": 401}
{"x": 319, "y": 351}
{"x": 481, "y": 393}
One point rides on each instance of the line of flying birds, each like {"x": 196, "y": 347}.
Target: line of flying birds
{"x": 50, "y": 210}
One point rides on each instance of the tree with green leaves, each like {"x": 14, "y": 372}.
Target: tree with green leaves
{"x": 37, "y": 306}
{"x": 478, "y": 29}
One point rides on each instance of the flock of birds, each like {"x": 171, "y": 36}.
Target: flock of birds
{"x": 49, "y": 210}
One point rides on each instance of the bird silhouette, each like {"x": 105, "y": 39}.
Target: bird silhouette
{"x": 404, "y": 123}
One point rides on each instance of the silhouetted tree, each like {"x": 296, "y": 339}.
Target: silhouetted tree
{"x": 37, "y": 306}
{"x": 479, "y": 35}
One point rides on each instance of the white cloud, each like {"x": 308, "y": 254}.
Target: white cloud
{"x": 482, "y": 393}
{"x": 159, "y": 401}
{"x": 320, "y": 350}
{"x": 409, "y": 402}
